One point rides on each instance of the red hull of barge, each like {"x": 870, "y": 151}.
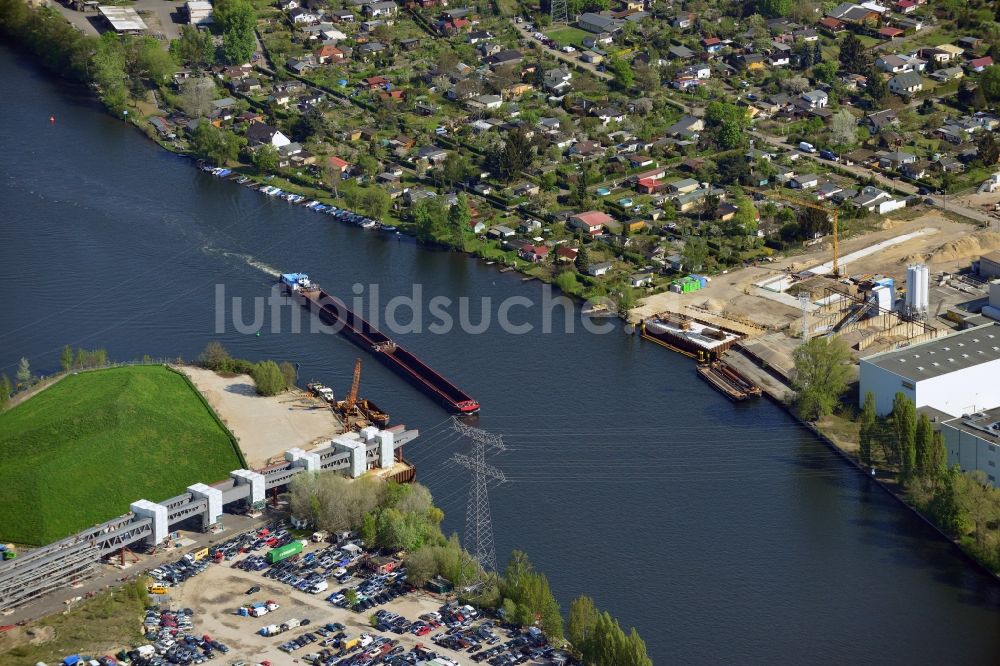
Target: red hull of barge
{"x": 335, "y": 313}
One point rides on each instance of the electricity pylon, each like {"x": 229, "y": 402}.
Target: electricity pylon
{"x": 478, "y": 521}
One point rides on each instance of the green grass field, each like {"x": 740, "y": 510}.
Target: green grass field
{"x": 568, "y": 36}
{"x": 81, "y": 451}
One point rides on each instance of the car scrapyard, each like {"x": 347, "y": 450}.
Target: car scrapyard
{"x": 332, "y": 604}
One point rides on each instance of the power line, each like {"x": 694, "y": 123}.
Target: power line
{"x": 478, "y": 521}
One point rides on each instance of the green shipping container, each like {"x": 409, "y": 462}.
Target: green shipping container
{"x": 284, "y": 552}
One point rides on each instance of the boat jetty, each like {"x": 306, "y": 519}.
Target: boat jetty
{"x": 335, "y": 313}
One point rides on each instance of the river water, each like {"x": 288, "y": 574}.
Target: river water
{"x": 723, "y": 533}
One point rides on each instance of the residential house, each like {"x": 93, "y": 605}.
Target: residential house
{"x": 804, "y": 182}
{"x": 591, "y": 222}
{"x": 680, "y": 52}
{"x": 895, "y": 159}
{"x": 534, "y": 253}
{"x": 906, "y": 84}
{"x": 878, "y": 201}
{"x": 260, "y": 133}
{"x": 506, "y": 57}
{"x": 526, "y": 190}
{"x": 385, "y": 9}
{"x": 640, "y": 279}
{"x": 979, "y": 64}
{"x": 599, "y": 269}
{"x": 301, "y": 16}
{"x": 683, "y": 186}
{"x": 712, "y": 45}
{"x": 687, "y": 126}
{"x": 946, "y": 74}
{"x": 566, "y": 254}
{"x": 501, "y": 232}
{"x": 485, "y": 102}
{"x": 586, "y": 150}
{"x": 339, "y": 166}
{"x": 557, "y": 81}
{"x": 780, "y": 54}
{"x": 893, "y": 64}
{"x": 609, "y": 115}
{"x": 881, "y": 119}
{"x": 890, "y": 33}
{"x": 914, "y": 170}
{"x": 815, "y": 99}
{"x": 434, "y": 155}
{"x": 598, "y": 23}
{"x": 328, "y": 53}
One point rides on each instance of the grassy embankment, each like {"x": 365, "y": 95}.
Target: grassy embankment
{"x": 81, "y": 451}
{"x": 103, "y": 625}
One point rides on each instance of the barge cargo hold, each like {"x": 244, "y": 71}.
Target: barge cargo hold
{"x": 727, "y": 380}
{"x": 688, "y": 335}
{"x": 335, "y": 313}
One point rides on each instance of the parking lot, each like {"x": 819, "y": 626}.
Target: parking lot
{"x": 215, "y": 595}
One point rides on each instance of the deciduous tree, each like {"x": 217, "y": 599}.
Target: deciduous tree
{"x": 822, "y": 370}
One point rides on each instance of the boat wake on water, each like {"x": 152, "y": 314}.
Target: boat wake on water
{"x": 248, "y": 259}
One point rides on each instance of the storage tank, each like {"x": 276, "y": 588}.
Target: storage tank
{"x": 917, "y": 296}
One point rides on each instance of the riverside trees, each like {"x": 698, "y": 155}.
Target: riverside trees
{"x": 822, "y": 370}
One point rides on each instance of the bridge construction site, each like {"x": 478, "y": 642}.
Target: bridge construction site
{"x": 147, "y": 525}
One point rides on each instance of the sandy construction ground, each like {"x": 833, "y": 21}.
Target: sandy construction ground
{"x": 215, "y": 594}
{"x": 945, "y": 244}
{"x": 265, "y": 427}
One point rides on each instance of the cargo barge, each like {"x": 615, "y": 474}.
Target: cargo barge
{"x": 727, "y": 380}
{"x": 335, "y": 313}
{"x": 687, "y": 335}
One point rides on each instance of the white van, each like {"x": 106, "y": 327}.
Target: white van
{"x": 806, "y": 147}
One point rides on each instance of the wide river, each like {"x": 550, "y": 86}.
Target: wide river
{"x": 723, "y": 533}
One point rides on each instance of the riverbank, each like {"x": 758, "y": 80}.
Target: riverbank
{"x": 839, "y": 434}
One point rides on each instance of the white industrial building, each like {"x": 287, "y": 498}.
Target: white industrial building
{"x": 199, "y": 12}
{"x": 993, "y": 309}
{"x": 956, "y": 374}
{"x": 973, "y": 442}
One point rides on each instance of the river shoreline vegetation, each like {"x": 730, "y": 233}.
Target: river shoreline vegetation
{"x": 902, "y": 447}
{"x": 403, "y": 519}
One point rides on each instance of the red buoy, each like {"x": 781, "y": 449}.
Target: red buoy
{"x": 52, "y": 120}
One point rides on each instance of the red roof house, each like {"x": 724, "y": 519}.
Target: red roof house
{"x": 592, "y": 222}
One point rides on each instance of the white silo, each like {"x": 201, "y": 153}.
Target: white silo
{"x": 916, "y": 289}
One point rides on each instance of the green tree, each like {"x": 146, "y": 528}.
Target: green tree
{"x": 196, "y": 96}
{"x": 5, "y": 390}
{"x": 621, "y": 69}
{"x": 902, "y": 424}
{"x": 852, "y": 54}
{"x": 989, "y": 83}
{"x": 351, "y": 597}
{"x": 369, "y": 530}
{"x": 869, "y": 426}
{"x": 24, "y": 377}
{"x": 108, "y": 67}
{"x": 421, "y": 566}
{"x": 744, "y": 222}
{"x": 729, "y": 123}
{"x": 368, "y": 165}
{"x": 923, "y": 445}
{"x": 582, "y": 620}
{"x": 289, "y": 373}
{"x": 459, "y": 218}
{"x": 939, "y": 456}
{"x": 265, "y": 158}
{"x": 152, "y": 62}
{"x": 375, "y": 202}
{"x": 945, "y": 508}
{"x": 822, "y": 370}
{"x": 238, "y": 20}
{"x": 66, "y": 358}
{"x": 214, "y": 356}
{"x": 988, "y": 149}
{"x": 977, "y": 498}
{"x": 431, "y": 219}
{"x": 582, "y": 260}
{"x": 695, "y": 252}
{"x": 876, "y": 88}
{"x": 776, "y": 8}
{"x": 514, "y": 156}
{"x": 843, "y": 129}
{"x": 194, "y": 47}
{"x": 268, "y": 378}
{"x": 215, "y": 145}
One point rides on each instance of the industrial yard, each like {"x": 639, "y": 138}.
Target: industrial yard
{"x": 265, "y": 426}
